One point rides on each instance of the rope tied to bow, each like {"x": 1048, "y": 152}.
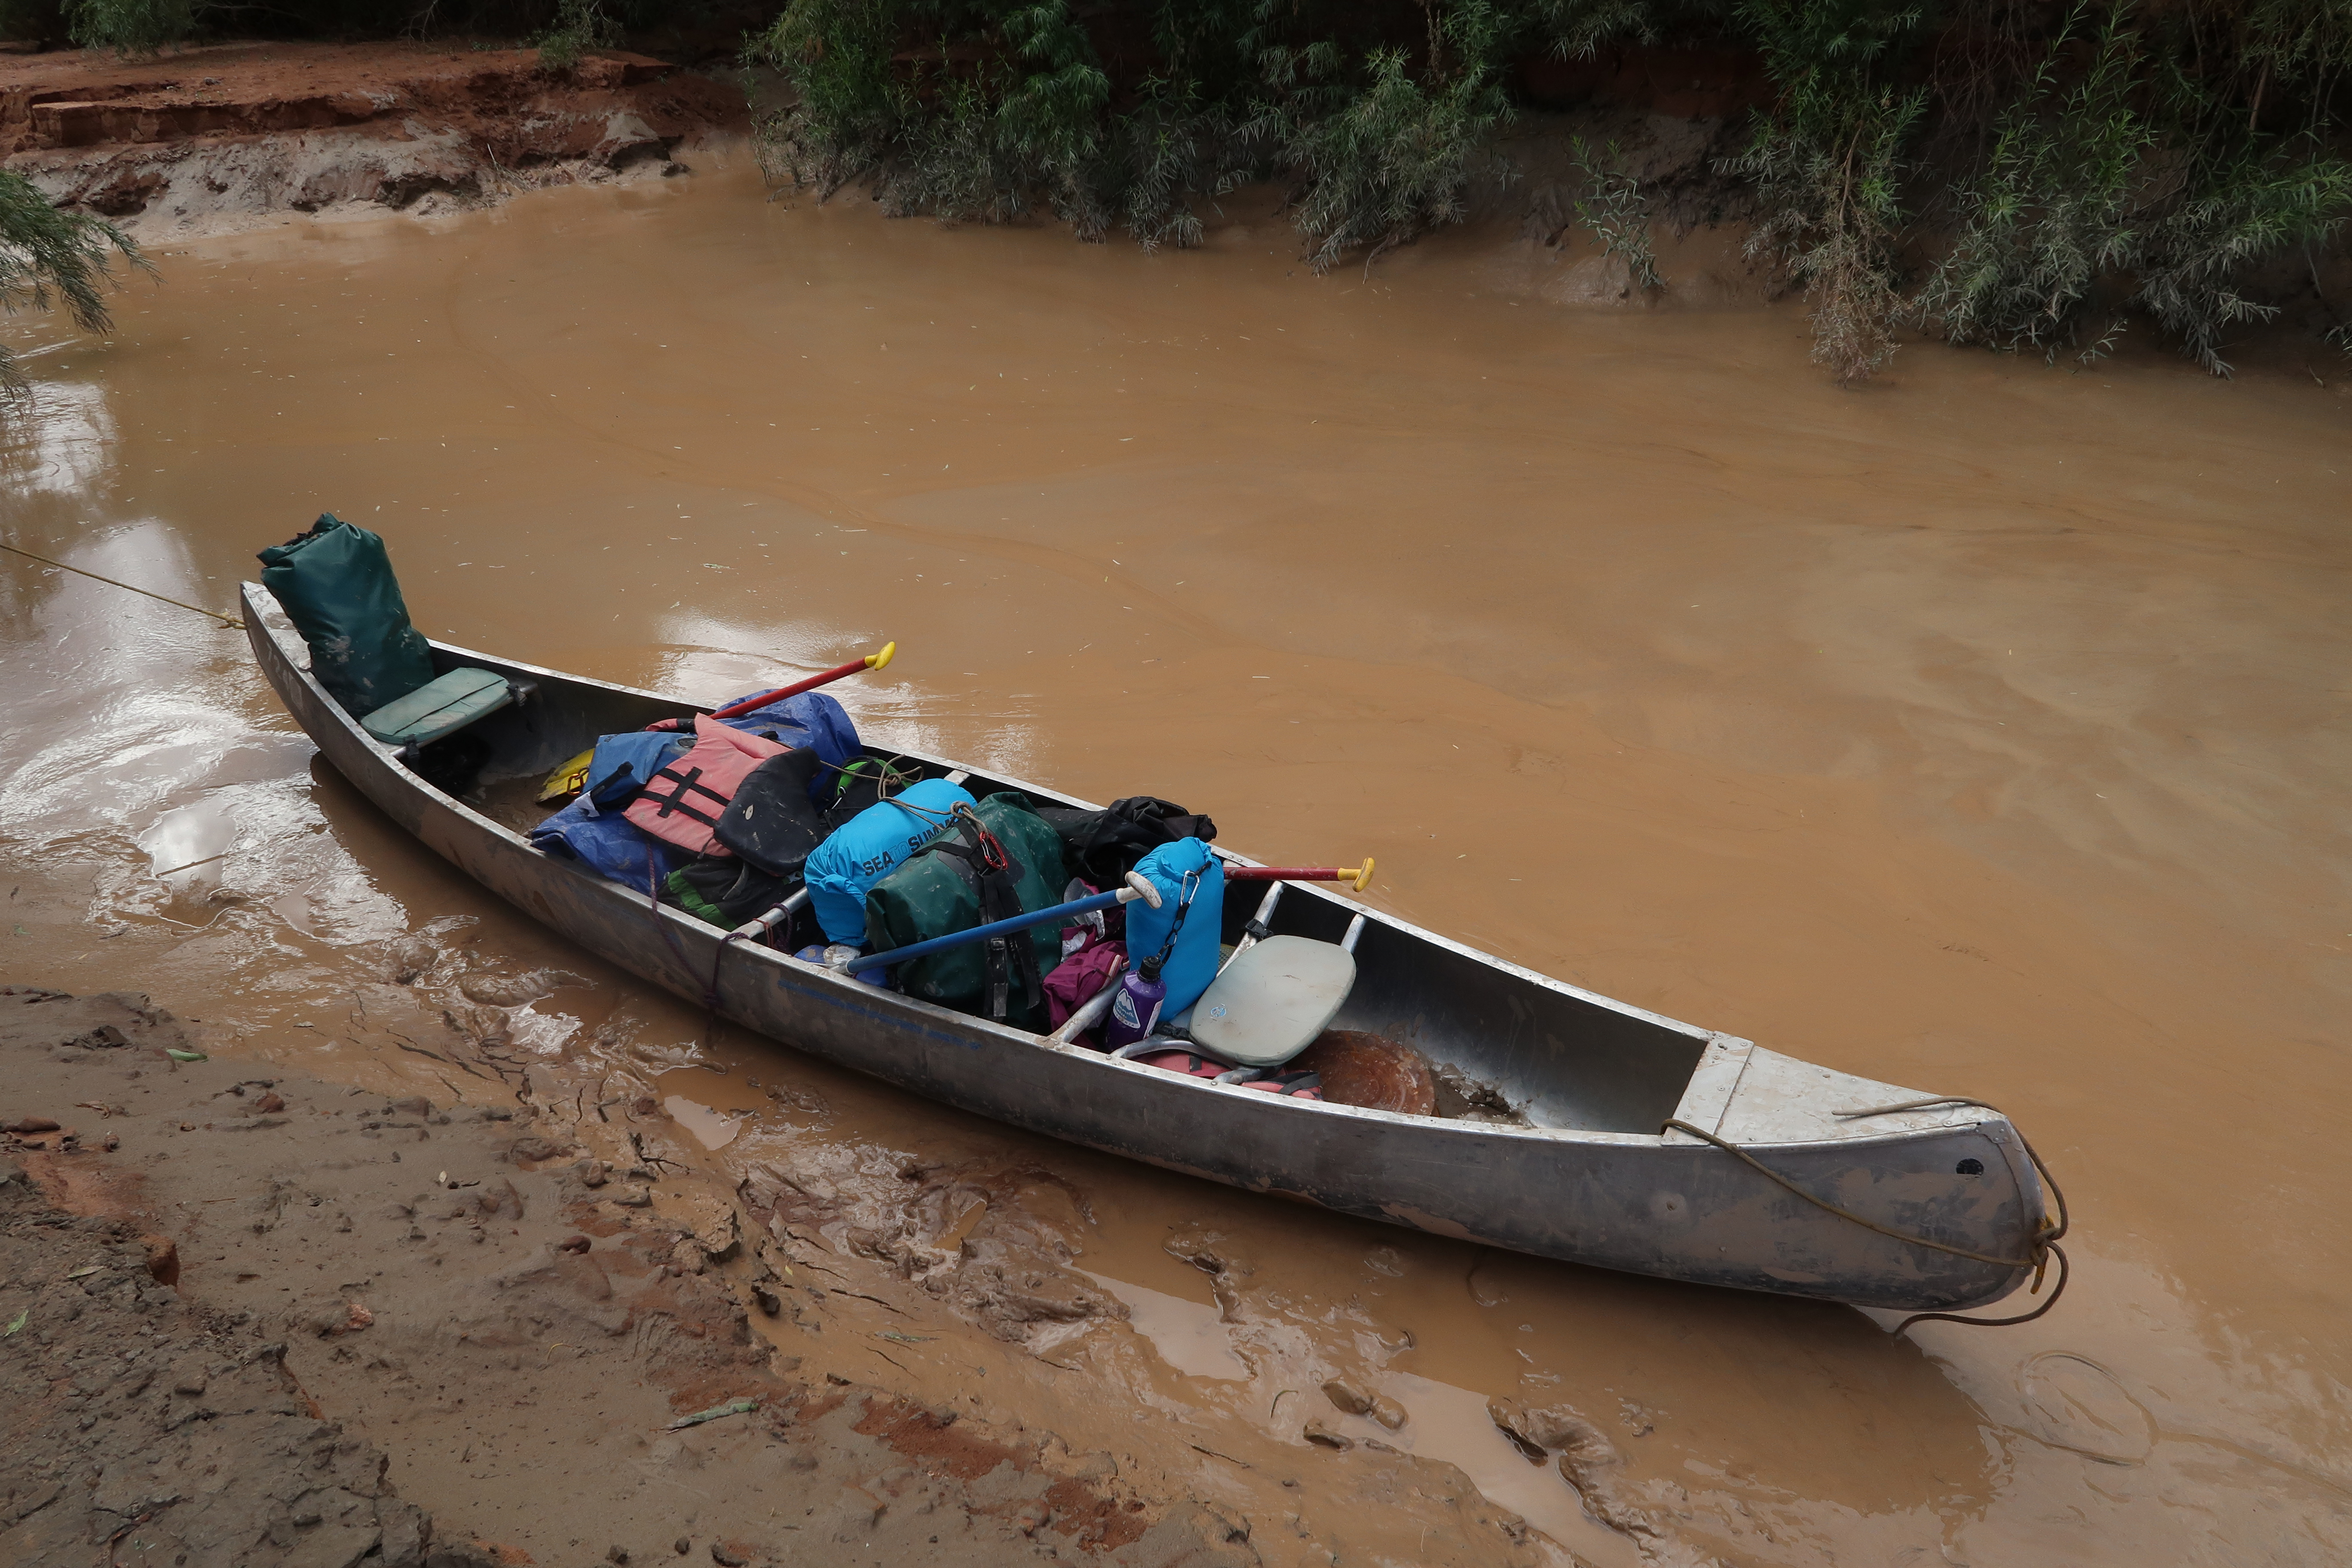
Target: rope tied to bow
{"x": 2040, "y": 1251}
{"x": 228, "y": 623}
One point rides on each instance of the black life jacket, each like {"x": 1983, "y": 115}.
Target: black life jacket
{"x": 1104, "y": 846}
{"x": 771, "y": 821}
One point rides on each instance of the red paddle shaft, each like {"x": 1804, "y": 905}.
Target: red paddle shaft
{"x": 1359, "y": 875}
{"x": 871, "y": 661}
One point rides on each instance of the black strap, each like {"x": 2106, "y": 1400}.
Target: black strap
{"x": 1000, "y": 899}
{"x": 1191, "y": 884}
{"x": 676, "y": 800}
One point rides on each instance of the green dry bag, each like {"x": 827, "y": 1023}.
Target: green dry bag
{"x": 949, "y": 887}
{"x": 336, "y": 583}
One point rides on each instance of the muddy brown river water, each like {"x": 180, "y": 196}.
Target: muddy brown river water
{"x": 1983, "y": 731}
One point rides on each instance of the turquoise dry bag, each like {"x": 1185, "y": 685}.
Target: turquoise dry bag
{"x": 1182, "y": 870}
{"x": 841, "y": 870}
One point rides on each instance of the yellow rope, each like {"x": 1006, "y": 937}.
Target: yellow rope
{"x": 230, "y": 622}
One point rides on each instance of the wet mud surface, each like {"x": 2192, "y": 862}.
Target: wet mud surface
{"x": 1977, "y": 732}
{"x": 255, "y": 1316}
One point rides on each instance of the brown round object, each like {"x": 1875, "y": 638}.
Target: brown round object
{"x": 1370, "y": 1072}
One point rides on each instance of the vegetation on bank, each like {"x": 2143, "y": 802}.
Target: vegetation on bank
{"x": 2016, "y": 173}
{"x": 2021, "y": 174}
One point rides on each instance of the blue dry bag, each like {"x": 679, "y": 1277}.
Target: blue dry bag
{"x": 1179, "y": 869}
{"x": 845, "y": 867}
{"x": 812, "y": 720}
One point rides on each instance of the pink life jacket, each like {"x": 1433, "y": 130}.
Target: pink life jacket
{"x": 1294, "y": 1085}
{"x": 681, "y": 802}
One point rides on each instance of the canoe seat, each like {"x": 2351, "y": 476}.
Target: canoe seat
{"x": 1272, "y": 1000}
{"x": 440, "y": 706}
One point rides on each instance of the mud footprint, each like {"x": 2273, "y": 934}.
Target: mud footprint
{"x": 2074, "y": 1402}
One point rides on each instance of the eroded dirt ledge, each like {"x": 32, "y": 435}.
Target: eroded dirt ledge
{"x": 230, "y": 134}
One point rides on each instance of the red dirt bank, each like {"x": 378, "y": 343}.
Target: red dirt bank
{"x": 203, "y": 139}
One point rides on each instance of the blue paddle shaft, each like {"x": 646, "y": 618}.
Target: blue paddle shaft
{"x": 981, "y": 933}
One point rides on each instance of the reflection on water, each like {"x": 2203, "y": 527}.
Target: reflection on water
{"x": 1979, "y": 733}
{"x": 1443, "y": 1422}
{"x": 59, "y": 444}
{"x": 190, "y": 841}
{"x": 1188, "y": 1335}
{"x": 711, "y": 1129}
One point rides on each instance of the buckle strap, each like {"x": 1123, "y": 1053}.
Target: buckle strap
{"x": 674, "y": 802}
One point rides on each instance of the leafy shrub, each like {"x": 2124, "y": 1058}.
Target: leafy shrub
{"x": 1392, "y": 158}
{"x": 853, "y": 109}
{"x": 1578, "y": 29}
{"x": 992, "y": 109}
{"x": 133, "y": 28}
{"x": 2051, "y": 213}
{"x": 51, "y": 257}
{"x": 1172, "y": 146}
{"x": 960, "y": 132}
{"x": 2116, "y": 193}
{"x": 2233, "y": 214}
{"x": 1828, "y": 164}
{"x": 1616, "y": 212}
{"x": 579, "y": 26}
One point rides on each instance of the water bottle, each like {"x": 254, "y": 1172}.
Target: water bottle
{"x": 1136, "y": 1008}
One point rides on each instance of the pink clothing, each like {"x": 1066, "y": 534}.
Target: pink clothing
{"x": 1074, "y": 980}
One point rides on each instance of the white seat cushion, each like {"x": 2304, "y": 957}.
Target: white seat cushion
{"x": 1272, "y": 1002}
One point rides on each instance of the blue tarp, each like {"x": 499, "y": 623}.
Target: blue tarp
{"x": 623, "y": 762}
{"x": 608, "y": 844}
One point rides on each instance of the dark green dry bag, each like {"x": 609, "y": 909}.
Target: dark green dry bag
{"x": 946, "y": 887}
{"x": 726, "y": 889}
{"x": 336, "y": 583}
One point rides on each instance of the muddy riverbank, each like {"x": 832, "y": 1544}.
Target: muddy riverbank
{"x": 1977, "y": 732}
{"x": 257, "y": 1318}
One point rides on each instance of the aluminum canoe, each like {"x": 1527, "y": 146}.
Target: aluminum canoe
{"x": 1592, "y": 1180}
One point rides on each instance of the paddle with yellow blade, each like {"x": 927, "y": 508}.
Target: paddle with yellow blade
{"x": 573, "y": 776}
{"x": 871, "y": 661}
